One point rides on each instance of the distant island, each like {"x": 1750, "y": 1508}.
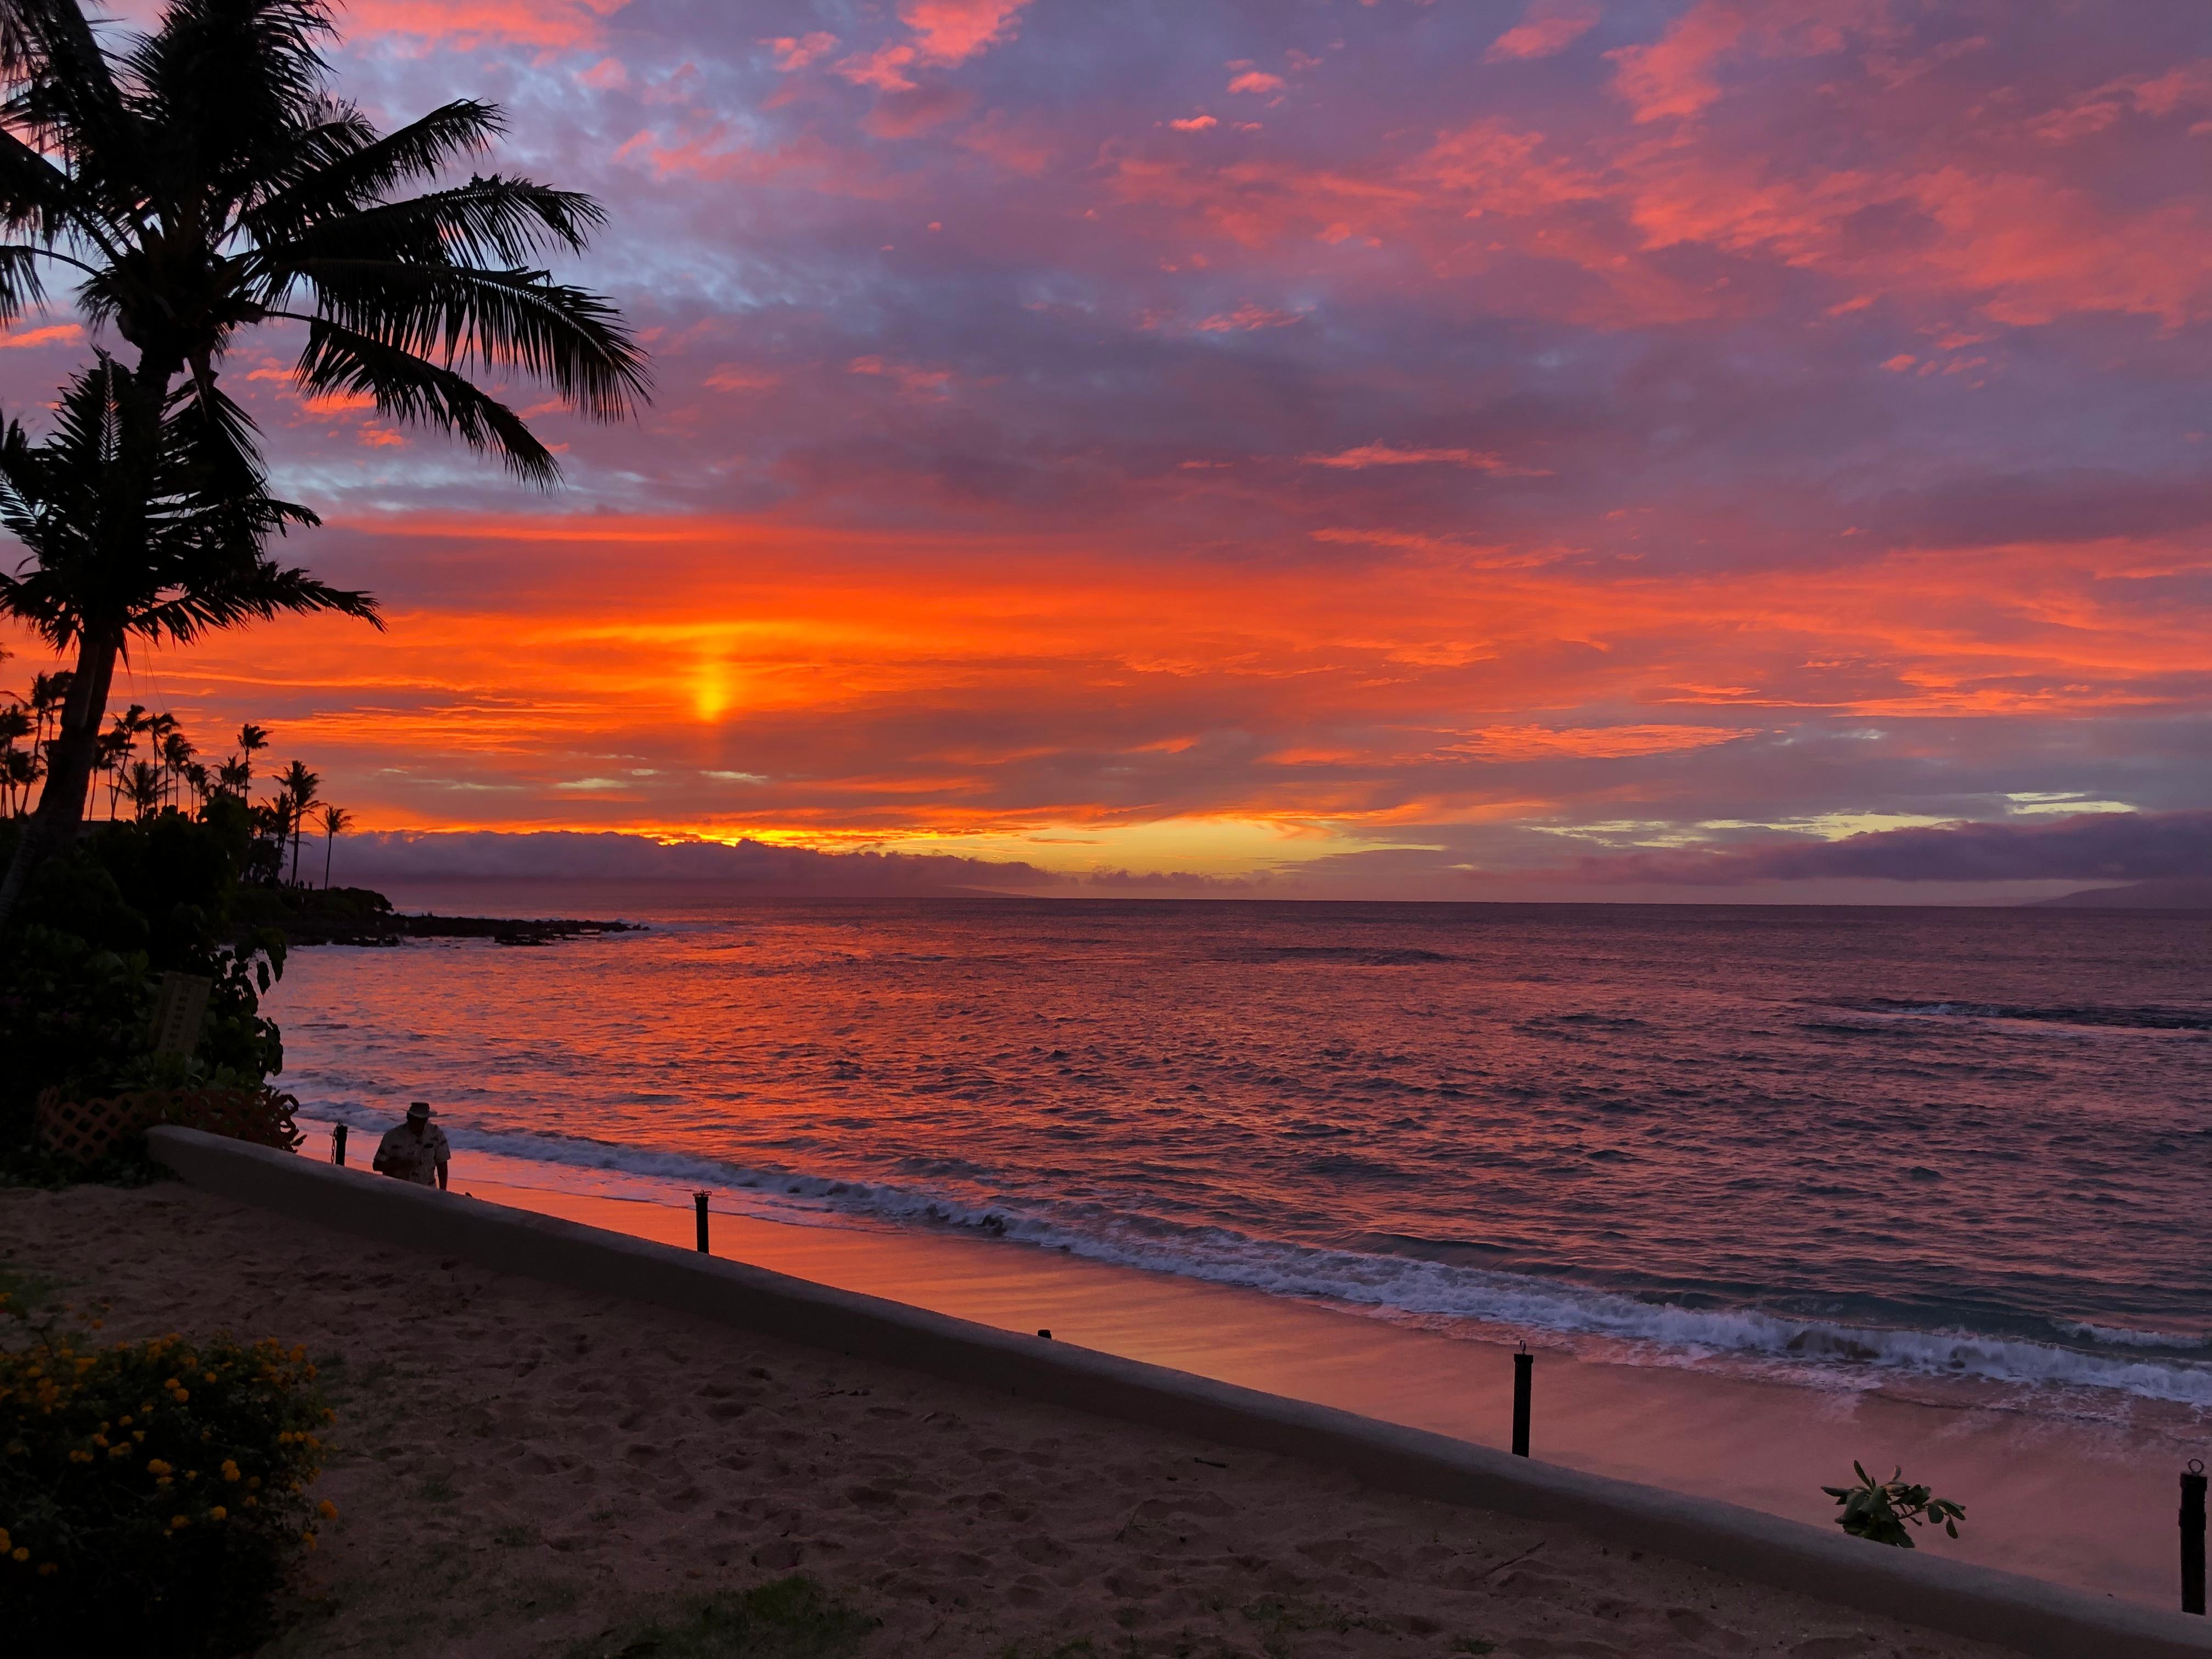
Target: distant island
{"x": 359, "y": 916}
{"x": 2170, "y": 893}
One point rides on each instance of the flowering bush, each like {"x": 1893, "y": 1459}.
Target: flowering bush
{"x": 152, "y": 1494}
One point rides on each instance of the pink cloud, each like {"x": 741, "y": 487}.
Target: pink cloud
{"x": 468, "y": 25}
{"x": 1256, "y": 81}
{"x": 926, "y": 385}
{"x": 1675, "y": 75}
{"x": 1551, "y": 26}
{"x": 953, "y": 31}
{"x": 1194, "y": 123}
{"x": 1248, "y": 317}
{"x": 794, "y": 53}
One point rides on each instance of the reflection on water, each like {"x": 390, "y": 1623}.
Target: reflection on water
{"x": 1962, "y": 1143}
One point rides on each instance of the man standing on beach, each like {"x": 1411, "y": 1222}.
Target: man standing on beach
{"x": 415, "y": 1151}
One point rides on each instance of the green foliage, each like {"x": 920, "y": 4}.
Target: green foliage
{"x": 1879, "y": 1510}
{"x": 153, "y": 1494}
{"x": 791, "y": 1618}
{"x": 82, "y": 960}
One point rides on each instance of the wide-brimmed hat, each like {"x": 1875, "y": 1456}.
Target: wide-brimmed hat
{"x": 418, "y": 1109}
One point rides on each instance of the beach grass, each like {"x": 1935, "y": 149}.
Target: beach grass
{"x": 790, "y": 1617}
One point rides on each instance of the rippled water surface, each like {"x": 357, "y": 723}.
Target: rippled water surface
{"x": 1964, "y": 1141}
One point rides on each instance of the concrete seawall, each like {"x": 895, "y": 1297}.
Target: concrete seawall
{"x": 1969, "y": 1601}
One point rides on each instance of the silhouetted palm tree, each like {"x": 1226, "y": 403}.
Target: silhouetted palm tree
{"x": 201, "y": 179}
{"x": 299, "y": 784}
{"x": 129, "y": 540}
{"x": 145, "y": 786}
{"x": 335, "y": 821}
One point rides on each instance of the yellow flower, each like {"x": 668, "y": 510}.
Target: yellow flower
{"x": 308, "y": 1538}
{"x": 6, "y": 1543}
{"x": 218, "y": 1513}
{"x": 155, "y": 1466}
{"x": 20, "y": 1553}
{"x": 179, "y": 1395}
{"x": 125, "y": 1420}
{"x": 45, "y": 1568}
{"x": 327, "y": 1510}
{"x": 179, "y": 1523}
{"x": 230, "y": 1469}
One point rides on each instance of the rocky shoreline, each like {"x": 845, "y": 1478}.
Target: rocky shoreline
{"x": 359, "y": 915}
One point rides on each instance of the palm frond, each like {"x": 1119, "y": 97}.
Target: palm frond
{"x": 571, "y": 340}
{"x": 353, "y": 178}
{"x": 408, "y": 388}
{"x": 490, "y": 218}
{"x": 20, "y": 289}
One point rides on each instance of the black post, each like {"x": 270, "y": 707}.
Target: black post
{"x": 2192, "y": 1537}
{"x": 1524, "y": 1367}
{"x": 699, "y": 1203}
{"x": 337, "y": 1143}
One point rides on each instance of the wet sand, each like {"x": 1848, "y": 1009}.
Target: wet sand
{"x": 522, "y": 1468}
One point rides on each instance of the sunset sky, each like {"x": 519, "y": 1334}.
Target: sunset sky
{"x": 1430, "y": 450}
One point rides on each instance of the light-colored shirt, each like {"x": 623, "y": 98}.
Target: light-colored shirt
{"x": 411, "y": 1157}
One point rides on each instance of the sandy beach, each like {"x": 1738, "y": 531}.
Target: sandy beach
{"x": 525, "y": 1471}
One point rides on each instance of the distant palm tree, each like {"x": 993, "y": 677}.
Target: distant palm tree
{"x": 299, "y": 784}
{"x": 238, "y": 770}
{"x": 145, "y": 786}
{"x": 48, "y": 693}
{"x": 336, "y": 822}
{"x": 202, "y": 179}
{"x": 17, "y": 756}
{"x": 120, "y": 745}
{"x": 19, "y": 768}
{"x": 176, "y": 759}
{"x": 196, "y": 779}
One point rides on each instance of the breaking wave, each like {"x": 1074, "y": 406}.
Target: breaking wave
{"x": 2146, "y": 1365}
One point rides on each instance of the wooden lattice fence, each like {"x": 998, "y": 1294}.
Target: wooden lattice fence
{"x": 85, "y": 1131}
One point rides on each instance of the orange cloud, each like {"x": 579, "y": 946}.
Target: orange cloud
{"x": 1367, "y": 455}
{"x": 52, "y": 334}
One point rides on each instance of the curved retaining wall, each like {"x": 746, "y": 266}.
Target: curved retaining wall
{"x": 1976, "y": 1602}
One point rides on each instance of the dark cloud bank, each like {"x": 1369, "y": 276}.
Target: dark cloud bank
{"x": 2168, "y": 853}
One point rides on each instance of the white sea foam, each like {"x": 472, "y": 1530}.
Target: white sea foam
{"x": 1381, "y": 1283}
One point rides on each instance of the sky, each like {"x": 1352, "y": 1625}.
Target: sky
{"x": 1417, "y": 448}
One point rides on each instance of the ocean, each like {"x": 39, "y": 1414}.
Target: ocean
{"x": 1850, "y": 1147}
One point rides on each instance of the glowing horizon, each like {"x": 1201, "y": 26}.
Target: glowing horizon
{"x": 1459, "y": 438}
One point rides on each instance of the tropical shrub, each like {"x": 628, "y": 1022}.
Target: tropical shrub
{"x": 1878, "y": 1510}
{"x": 153, "y": 1494}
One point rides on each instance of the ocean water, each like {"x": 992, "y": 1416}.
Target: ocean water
{"x": 1847, "y": 1147}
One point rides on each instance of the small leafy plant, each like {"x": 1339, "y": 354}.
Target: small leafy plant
{"x": 153, "y": 1494}
{"x": 1880, "y": 1510}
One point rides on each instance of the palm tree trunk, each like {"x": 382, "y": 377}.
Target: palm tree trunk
{"x": 69, "y": 765}
{"x": 329, "y": 845}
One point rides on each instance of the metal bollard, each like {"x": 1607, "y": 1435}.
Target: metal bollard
{"x": 699, "y": 1204}
{"x": 2192, "y": 1537}
{"x": 1524, "y": 1367}
{"x": 337, "y": 1143}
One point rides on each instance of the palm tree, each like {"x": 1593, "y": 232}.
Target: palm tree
{"x": 16, "y": 725}
{"x": 201, "y": 179}
{"x": 251, "y": 740}
{"x": 299, "y": 784}
{"x": 234, "y": 777}
{"x": 22, "y": 769}
{"x": 144, "y": 787}
{"x": 132, "y": 536}
{"x": 335, "y": 821}
{"x": 176, "y": 755}
{"x": 120, "y": 745}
